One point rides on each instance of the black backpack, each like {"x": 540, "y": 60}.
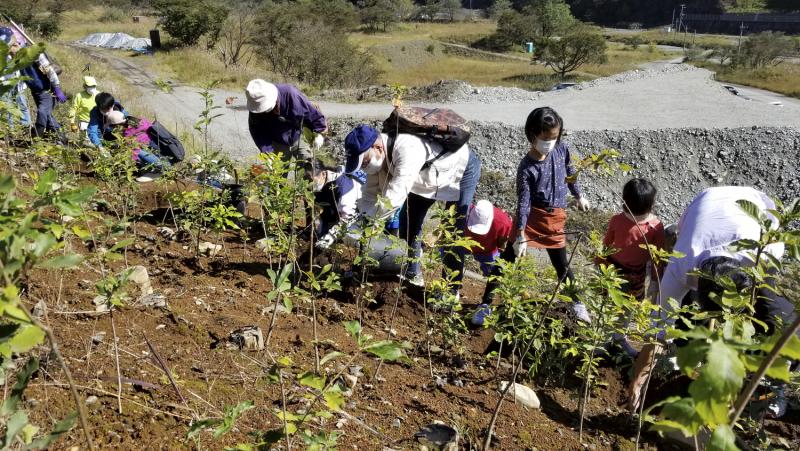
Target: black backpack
{"x": 168, "y": 145}
{"x": 441, "y": 125}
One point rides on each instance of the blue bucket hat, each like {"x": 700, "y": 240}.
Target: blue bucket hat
{"x": 356, "y": 143}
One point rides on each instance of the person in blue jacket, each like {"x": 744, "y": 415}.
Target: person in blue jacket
{"x": 44, "y": 85}
{"x": 98, "y": 122}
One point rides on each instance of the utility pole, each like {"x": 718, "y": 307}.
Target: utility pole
{"x": 741, "y": 32}
{"x": 680, "y": 24}
{"x": 672, "y": 22}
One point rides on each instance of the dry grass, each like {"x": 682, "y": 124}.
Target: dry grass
{"x": 457, "y": 32}
{"x": 783, "y": 78}
{"x": 77, "y": 24}
{"x": 197, "y": 67}
{"x": 475, "y": 71}
{"x": 658, "y": 36}
{"x": 622, "y": 58}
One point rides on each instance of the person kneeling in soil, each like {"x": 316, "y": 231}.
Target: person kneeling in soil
{"x": 413, "y": 173}
{"x": 542, "y": 195}
{"x": 82, "y": 105}
{"x": 337, "y": 193}
{"x": 149, "y": 164}
{"x": 711, "y": 223}
{"x": 490, "y": 227}
{"x": 99, "y": 127}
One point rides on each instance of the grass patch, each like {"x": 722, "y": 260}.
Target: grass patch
{"x": 474, "y": 71}
{"x": 658, "y": 36}
{"x": 183, "y": 64}
{"x": 77, "y": 24}
{"x": 622, "y": 58}
{"x": 783, "y": 78}
{"x": 456, "y": 32}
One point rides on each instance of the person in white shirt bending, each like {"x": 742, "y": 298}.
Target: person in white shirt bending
{"x": 412, "y": 173}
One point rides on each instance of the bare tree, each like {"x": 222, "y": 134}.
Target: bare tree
{"x": 235, "y": 39}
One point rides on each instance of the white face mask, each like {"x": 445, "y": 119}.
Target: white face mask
{"x": 105, "y": 113}
{"x": 544, "y": 147}
{"x": 374, "y": 166}
{"x": 91, "y": 90}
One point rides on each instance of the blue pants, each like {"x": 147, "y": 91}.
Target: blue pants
{"x": 16, "y": 96}
{"x": 150, "y": 162}
{"x": 45, "y": 122}
{"x": 412, "y": 216}
{"x": 487, "y": 262}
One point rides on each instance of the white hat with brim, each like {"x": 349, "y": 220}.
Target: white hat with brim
{"x": 261, "y": 96}
{"x": 115, "y": 117}
{"x": 480, "y": 218}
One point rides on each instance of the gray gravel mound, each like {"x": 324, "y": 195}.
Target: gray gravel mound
{"x": 681, "y": 162}
{"x": 632, "y": 75}
{"x": 443, "y": 91}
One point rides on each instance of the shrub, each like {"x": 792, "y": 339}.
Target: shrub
{"x": 306, "y": 47}
{"x": 187, "y": 20}
{"x": 574, "y": 50}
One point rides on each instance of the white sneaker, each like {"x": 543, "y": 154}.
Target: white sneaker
{"x": 777, "y": 405}
{"x": 144, "y": 179}
{"x": 415, "y": 280}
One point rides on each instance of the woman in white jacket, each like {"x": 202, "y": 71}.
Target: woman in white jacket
{"x": 414, "y": 173}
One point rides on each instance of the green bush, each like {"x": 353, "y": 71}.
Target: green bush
{"x": 188, "y": 20}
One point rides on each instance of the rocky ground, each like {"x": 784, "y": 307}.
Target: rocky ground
{"x": 680, "y": 162}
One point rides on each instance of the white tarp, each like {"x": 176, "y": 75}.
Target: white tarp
{"x": 115, "y": 41}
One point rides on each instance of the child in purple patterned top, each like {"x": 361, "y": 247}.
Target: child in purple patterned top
{"x": 542, "y": 194}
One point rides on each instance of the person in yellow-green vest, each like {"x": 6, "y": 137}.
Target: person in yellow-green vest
{"x": 82, "y": 104}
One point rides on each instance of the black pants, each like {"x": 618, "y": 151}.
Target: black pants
{"x": 558, "y": 257}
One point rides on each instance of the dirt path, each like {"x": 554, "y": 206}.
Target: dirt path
{"x": 657, "y": 100}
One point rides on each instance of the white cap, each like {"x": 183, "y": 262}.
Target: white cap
{"x": 115, "y": 117}
{"x": 480, "y": 217}
{"x": 261, "y": 96}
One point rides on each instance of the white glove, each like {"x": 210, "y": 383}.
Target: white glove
{"x": 583, "y": 204}
{"x": 319, "y": 140}
{"x": 520, "y": 245}
{"x": 326, "y": 241}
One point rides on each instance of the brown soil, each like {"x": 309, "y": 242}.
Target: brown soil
{"x": 209, "y": 297}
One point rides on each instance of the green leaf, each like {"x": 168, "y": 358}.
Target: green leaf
{"x": 62, "y": 261}
{"x": 724, "y": 371}
{"x": 122, "y": 244}
{"x": 7, "y": 331}
{"x": 387, "y": 350}
{"x": 333, "y": 355}
{"x": 10, "y": 404}
{"x": 44, "y": 242}
{"x": 14, "y": 426}
{"x": 679, "y": 414}
{"x": 200, "y": 425}
{"x": 23, "y": 340}
{"x": 353, "y": 328}
{"x": 750, "y": 209}
{"x": 334, "y": 398}
{"x": 310, "y": 379}
{"x": 61, "y": 428}
{"x": 723, "y": 439}
{"x": 7, "y": 184}
{"x": 231, "y": 415}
